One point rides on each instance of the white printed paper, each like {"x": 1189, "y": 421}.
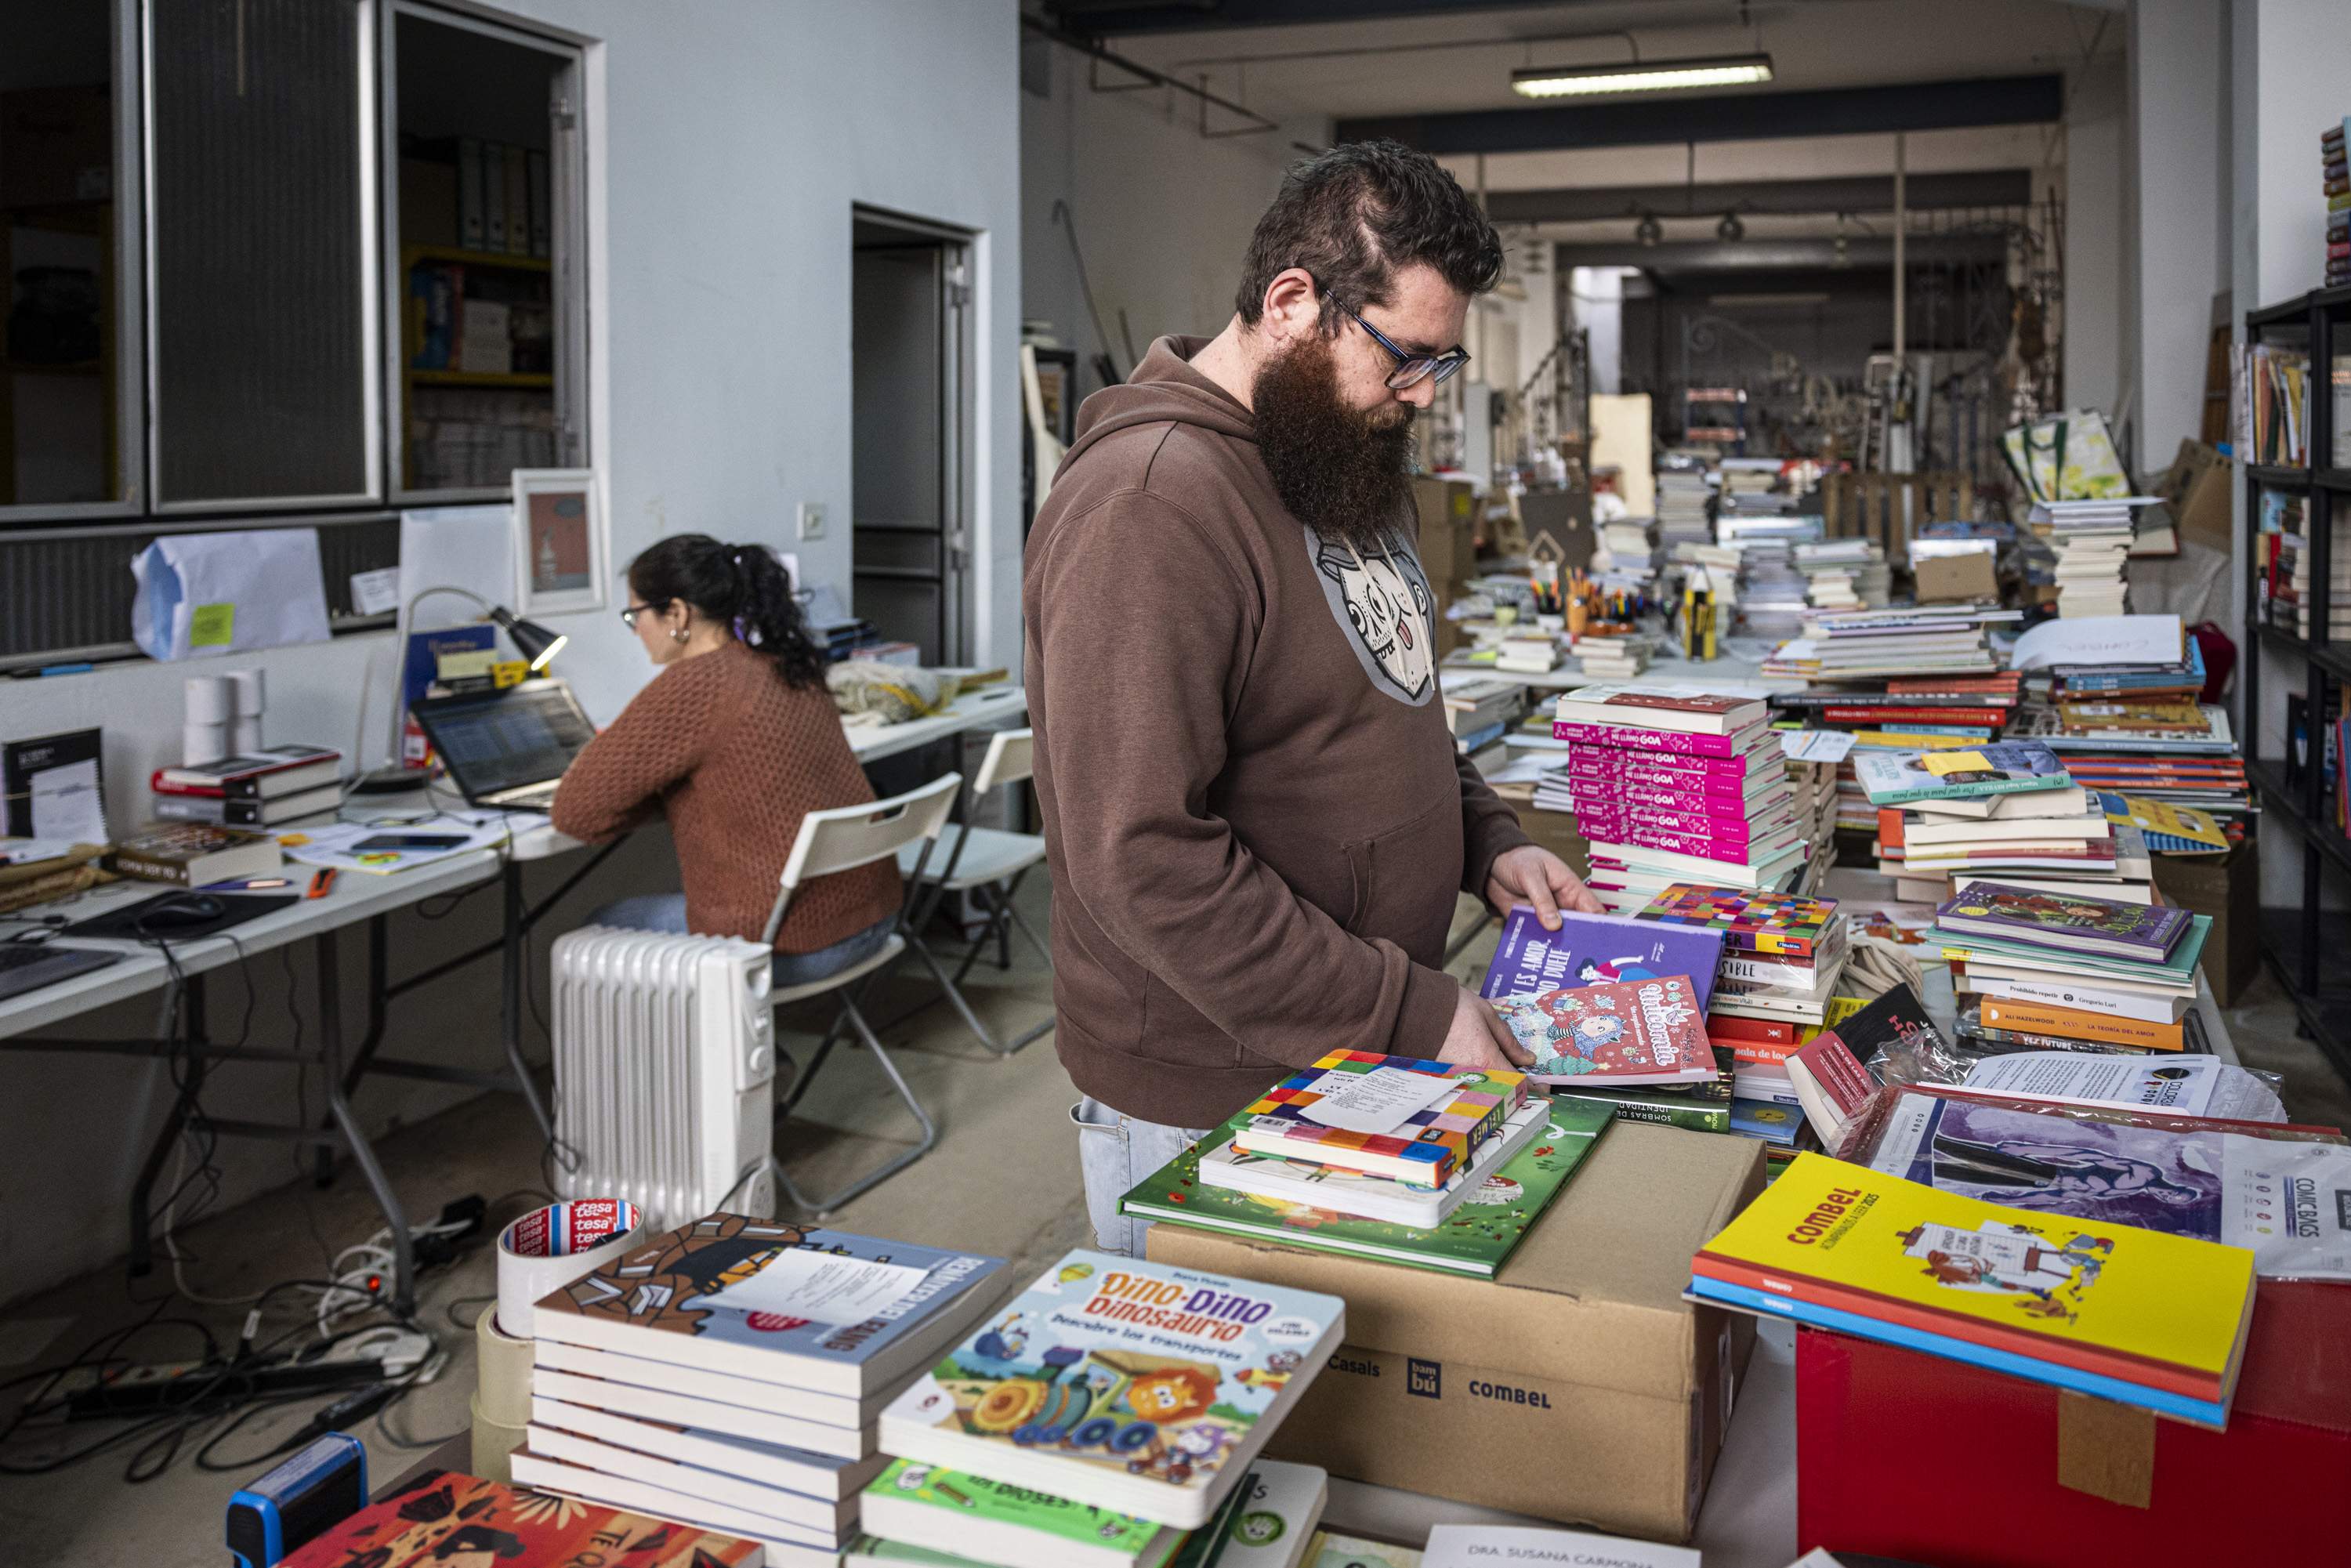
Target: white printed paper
{"x": 1377, "y": 1102}
{"x": 2190, "y": 1085}
{"x": 820, "y": 1287}
{"x": 376, "y": 592}
{"x": 2100, "y": 640}
{"x": 26, "y": 852}
{"x": 337, "y": 845}
{"x": 66, "y": 805}
{"x": 1816, "y": 745}
{"x": 1475, "y": 1545}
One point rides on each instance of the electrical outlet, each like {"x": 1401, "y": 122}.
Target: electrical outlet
{"x": 812, "y": 519}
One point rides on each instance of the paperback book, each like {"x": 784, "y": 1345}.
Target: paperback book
{"x": 776, "y": 1302}
{"x": 829, "y": 1518}
{"x": 1225, "y": 1163}
{"x": 1662, "y": 707}
{"x": 2081, "y": 922}
{"x": 783, "y": 1543}
{"x": 1592, "y": 949}
{"x": 1394, "y": 1116}
{"x": 439, "y": 1517}
{"x": 953, "y": 1512}
{"x": 1131, "y": 1385}
{"x": 1474, "y": 1238}
{"x": 1894, "y": 777}
{"x": 1635, "y": 1032}
{"x": 826, "y": 1477}
{"x": 1750, "y": 922}
{"x": 2138, "y": 1316}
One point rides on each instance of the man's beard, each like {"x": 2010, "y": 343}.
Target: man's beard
{"x": 1344, "y": 472}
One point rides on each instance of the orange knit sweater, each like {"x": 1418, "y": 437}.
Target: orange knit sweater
{"x": 734, "y": 756}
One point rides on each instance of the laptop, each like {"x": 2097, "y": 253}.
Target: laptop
{"x": 28, "y": 966}
{"x": 508, "y": 749}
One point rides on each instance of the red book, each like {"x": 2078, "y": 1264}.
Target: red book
{"x": 1724, "y": 1029}
{"x": 163, "y": 786}
{"x": 1671, "y": 742}
{"x": 1895, "y": 717}
{"x": 442, "y": 1518}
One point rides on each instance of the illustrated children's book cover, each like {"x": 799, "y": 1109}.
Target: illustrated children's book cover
{"x": 1891, "y": 777}
{"x": 1397, "y": 1116}
{"x": 1592, "y": 949}
{"x": 442, "y": 1518}
{"x": 1131, "y": 1385}
{"x": 951, "y": 1510}
{"x": 2076, "y": 922}
{"x": 2114, "y": 1310}
{"x": 1473, "y": 1239}
{"x": 1750, "y": 922}
{"x": 774, "y": 1301}
{"x": 1638, "y": 1032}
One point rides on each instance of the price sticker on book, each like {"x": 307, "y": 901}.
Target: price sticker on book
{"x": 1377, "y": 1102}
{"x": 824, "y": 1289}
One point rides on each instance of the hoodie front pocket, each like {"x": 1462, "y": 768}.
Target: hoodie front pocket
{"x": 1405, "y": 881}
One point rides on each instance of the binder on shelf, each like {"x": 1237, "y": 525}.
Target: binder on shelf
{"x": 492, "y": 163}
{"x": 515, "y": 172}
{"x": 542, "y": 215}
{"x": 472, "y": 217}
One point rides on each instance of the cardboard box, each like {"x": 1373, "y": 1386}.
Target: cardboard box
{"x": 2197, "y": 489}
{"x": 1577, "y": 1385}
{"x": 1907, "y": 1455}
{"x": 2229, "y": 889}
{"x": 1449, "y": 551}
{"x": 1958, "y": 579}
{"x": 60, "y": 146}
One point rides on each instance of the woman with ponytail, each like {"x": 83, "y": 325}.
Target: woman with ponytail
{"x": 734, "y": 742}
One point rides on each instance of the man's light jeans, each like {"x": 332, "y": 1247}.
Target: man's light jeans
{"x": 1115, "y": 1152}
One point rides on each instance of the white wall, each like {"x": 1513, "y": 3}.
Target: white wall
{"x": 727, "y": 145}
{"x": 2094, "y": 338}
{"x": 1163, "y": 216}
{"x": 2180, "y": 141}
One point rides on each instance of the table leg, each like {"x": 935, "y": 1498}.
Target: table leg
{"x": 518, "y": 923}
{"x": 378, "y": 977}
{"x": 339, "y": 1105}
{"x": 188, "y": 1021}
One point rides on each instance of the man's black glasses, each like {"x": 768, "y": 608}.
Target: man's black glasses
{"x": 1411, "y": 368}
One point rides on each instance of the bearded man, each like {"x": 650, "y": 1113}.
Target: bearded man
{"x": 1256, "y": 817}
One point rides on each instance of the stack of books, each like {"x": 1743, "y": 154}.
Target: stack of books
{"x": 2137, "y": 1316}
{"x": 1845, "y": 574}
{"x": 2335, "y": 180}
{"x": 1675, "y": 784}
{"x": 1110, "y": 1416}
{"x": 1522, "y": 652}
{"x": 2088, "y": 545}
{"x": 1613, "y": 658}
{"x": 1862, "y": 646}
{"x": 2071, "y": 971}
{"x": 1481, "y": 709}
{"x": 2286, "y": 565}
{"x": 1683, "y": 494}
{"x": 730, "y": 1374}
{"x": 1628, "y": 546}
{"x": 2273, "y": 407}
{"x": 1775, "y": 947}
{"x": 281, "y": 787}
{"x": 2174, "y": 750}
{"x": 2007, "y": 809}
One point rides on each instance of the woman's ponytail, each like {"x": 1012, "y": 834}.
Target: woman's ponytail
{"x": 741, "y": 586}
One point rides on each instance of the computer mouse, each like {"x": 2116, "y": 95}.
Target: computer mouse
{"x": 178, "y": 911}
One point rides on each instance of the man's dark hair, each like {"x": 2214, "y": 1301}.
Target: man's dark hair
{"x": 1352, "y": 215}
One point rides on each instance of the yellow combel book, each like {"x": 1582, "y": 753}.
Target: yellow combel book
{"x": 2090, "y": 1289}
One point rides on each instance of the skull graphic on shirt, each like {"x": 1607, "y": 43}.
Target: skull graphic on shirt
{"x": 1383, "y": 602}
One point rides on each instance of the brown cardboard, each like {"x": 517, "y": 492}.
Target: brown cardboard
{"x": 2196, "y": 488}
{"x": 2105, "y": 1449}
{"x": 1582, "y": 1349}
{"x": 1448, "y": 553}
{"x": 2228, "y": 888}
{"x": 1958, "y": 579}
{"x": 60, "y": 146}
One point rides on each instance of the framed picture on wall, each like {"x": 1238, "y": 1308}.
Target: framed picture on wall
{"x": 560, "y": 545}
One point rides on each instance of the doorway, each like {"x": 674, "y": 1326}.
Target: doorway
{"x": 910, "y": 503}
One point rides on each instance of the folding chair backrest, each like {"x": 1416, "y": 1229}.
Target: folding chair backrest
{"x": 847, "y": 837}
{"x": 1011, "y": 757}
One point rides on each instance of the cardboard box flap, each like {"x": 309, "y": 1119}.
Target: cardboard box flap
{"x": 1593, "y": 1293}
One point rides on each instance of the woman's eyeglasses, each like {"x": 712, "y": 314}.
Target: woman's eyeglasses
{"x": 629, "y": 616}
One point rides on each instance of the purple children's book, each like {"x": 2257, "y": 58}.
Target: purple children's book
{"x": 1596, "y": 950}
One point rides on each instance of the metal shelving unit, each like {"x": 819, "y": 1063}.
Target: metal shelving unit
{"x": 2303, "y": 943}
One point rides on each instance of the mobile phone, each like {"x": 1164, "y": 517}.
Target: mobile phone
{"x": 391, "y": 843}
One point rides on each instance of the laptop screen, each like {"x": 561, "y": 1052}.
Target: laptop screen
{"x": 501, "y": 740}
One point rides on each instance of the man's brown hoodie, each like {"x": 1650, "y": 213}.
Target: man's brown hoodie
{"x": 1255, "y": 815}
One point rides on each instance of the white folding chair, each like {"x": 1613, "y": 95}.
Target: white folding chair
{"x": 988, "y": 864}
{"x": 841, "y": 840}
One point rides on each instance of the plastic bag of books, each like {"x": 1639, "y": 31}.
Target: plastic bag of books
{"x": 2271, "y": 1187}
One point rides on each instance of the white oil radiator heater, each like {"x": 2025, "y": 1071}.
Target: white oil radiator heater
{"x": 665, "y": 1072}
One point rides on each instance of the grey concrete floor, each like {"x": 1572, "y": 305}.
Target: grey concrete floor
{"x": 1003, "y": 1179}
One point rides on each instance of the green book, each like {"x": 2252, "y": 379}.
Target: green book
{"x": 2178, "y": 969}
{"x": 1475, "y": 1240}
{"x": 1696, "y": 1111}
{"x": 943, "y": 1511}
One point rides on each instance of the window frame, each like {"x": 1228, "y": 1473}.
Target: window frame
{"x": 128, "y": 95}
{"x": 567, "y": 188}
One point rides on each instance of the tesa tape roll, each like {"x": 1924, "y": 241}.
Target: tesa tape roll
{"x": 502, "y": 1380}
{"x": 549, "y": 1248}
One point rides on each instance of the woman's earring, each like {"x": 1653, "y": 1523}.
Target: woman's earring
{"x": 677, "y": 633}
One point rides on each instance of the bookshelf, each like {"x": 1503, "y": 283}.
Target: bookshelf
{"x": 2302, "y": 941}
{"x": 468, "y": 429}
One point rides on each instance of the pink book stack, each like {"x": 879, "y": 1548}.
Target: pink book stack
{"x": 1673, "y": 784}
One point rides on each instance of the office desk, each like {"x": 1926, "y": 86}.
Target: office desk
{"x": 871, "y": 743}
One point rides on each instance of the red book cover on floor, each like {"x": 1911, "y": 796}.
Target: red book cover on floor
{"x": 443, "y": 1520}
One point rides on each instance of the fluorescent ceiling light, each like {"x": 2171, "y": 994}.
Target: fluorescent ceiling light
{"x": 1643, "y": 76}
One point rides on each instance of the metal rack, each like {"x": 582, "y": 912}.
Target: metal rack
{"x": 2303, "y": 943}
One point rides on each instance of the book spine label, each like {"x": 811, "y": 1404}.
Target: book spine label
{"x": 1638, "y": 836}
{"x": 1724, "y": 1029}
{"x": 190, "y": 809}
{"x": 1671, "y": 742}
{"x": 1661, "y": 767}
{"x": 146, "y": 870}
{"x": 1689, "y": 1118}
{"x": 1763, "y": 971}
{"x": 162, "y": 784}
{"x": 2024, "y": 1017}
{"x": 1697, "y": 820}
{"x": 1747, "y": 1053}
{"x": 1878, "y": 717}
{"x": 1730, "y": 801}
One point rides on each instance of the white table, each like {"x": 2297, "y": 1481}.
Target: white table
{"x": 357, "y": 898}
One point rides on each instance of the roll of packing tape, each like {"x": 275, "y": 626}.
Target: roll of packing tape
{"x": 549, "y": 1248}
{"x": 210, "y": 699}
{"x": 202, "y": 742}
{"x": 492, "y": 1442}
{"x": 251, "y": 691}
{"x": 502, "y": 1382}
